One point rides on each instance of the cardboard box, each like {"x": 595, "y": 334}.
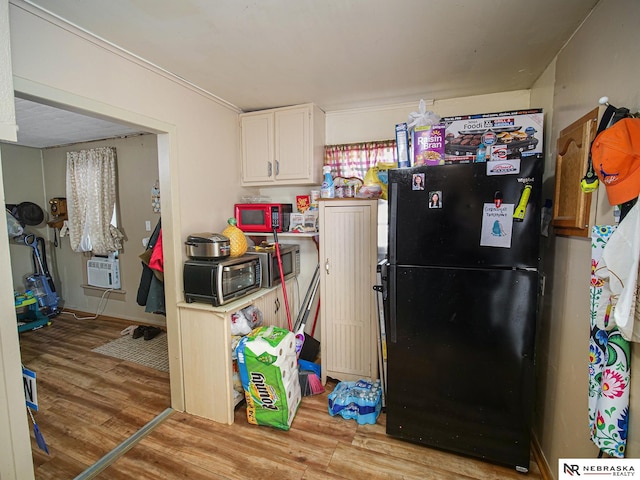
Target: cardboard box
{"x": 402, "y": 145}
{"x": 296, "y": 222}
{"x": 311, "y": 221}
{"x": 428, "y": 145}
{"x": 520, "y": 132}
{"x": 306, "y": 222}
{"x": 303, "y": 203}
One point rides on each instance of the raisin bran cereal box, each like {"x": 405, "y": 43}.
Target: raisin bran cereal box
{"x": 428, "y": 145}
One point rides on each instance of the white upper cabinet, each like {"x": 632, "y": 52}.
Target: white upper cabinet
{"x": 283, "y": 146}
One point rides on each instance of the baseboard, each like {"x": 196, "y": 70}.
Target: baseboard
{"x": 541, "y": 461}
{"x": 124, "y": 321}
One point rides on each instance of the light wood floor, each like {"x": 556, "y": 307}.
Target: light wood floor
{"x": 90, "y": 403}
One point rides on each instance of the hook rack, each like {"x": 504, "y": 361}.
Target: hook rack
{"x": 605, "y": 101}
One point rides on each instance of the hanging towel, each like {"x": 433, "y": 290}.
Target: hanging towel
{"x": 618, "y": 268}
{"x": 609, "y": 365}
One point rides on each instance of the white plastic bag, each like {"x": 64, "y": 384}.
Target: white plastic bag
{"x": 245, "y": 320}
{"x": 13, "y": 226}
{"x": 422, "y": 117}
{"x": 239, "y": 324}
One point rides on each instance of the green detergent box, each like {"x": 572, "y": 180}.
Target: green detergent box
{"x": 269, "y": 374}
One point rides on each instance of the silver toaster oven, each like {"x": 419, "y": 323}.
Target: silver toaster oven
{"x": 219, "y": 281}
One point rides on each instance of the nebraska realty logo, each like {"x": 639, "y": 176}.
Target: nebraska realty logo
{"x": 598, "y": 468}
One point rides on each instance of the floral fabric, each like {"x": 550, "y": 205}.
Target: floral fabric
{"x": 609, "y": 362}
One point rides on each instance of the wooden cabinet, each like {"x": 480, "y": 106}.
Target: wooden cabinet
{"x": 572, "y": 206}
{"x": 283, "y": 146}
{"x": 348, "y": 258}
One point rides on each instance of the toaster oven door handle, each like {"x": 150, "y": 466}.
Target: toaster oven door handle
{"x": 229, "y": 268}
{"x": 216, "y": 279}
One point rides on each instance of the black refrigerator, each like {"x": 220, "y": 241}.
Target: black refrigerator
{"x": 461, "y": 291}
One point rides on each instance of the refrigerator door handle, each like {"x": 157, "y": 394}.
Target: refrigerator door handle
{"x": 393, "y": 216}
{"x": 391, "y": 295}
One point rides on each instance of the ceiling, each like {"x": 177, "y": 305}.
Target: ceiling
{"x": 42, "y": 126}
{"x": 342, "y": 54}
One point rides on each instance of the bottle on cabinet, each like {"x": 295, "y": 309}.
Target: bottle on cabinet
{"x": 328, "y": 189}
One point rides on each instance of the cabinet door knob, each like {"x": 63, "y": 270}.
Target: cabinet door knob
{"x": 269, "y": 169}
{"x": 277, "y": 168}
{"x": 326, "y": 266}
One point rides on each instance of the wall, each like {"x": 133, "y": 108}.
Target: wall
{"x": 23, "y": 182}
{"x": 137, "y": 171}
{"x": 368, "y": 124}
{"x": 586, "y": 69}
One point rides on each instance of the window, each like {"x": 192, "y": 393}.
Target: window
{"x": 355, "y": 159}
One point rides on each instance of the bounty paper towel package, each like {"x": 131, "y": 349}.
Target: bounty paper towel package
{"x": 269, "y": 373}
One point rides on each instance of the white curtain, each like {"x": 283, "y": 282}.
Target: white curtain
{"x": 91, "y": 198}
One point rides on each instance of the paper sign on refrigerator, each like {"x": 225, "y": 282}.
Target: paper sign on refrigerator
{"x": 497, "y": 224}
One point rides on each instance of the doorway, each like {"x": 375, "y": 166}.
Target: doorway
{"x": 36, "y": 174}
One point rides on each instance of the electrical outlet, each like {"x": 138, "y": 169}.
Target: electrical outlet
{"x": 147, "y": 225}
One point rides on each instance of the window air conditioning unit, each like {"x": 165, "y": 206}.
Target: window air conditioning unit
{"x": 103, "y": 272}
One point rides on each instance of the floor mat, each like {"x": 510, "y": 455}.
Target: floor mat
{"x": 150, "y": 353}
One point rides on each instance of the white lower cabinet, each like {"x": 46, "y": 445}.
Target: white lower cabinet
{"x": 348, "y": 261}
{"x": 205, "y": 337}
{"x": 272, "y": 305}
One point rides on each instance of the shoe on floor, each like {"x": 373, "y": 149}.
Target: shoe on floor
{"x": 129, "y": 330}
{"x": 151, "y": 332}
{"x": 139, "y": 331}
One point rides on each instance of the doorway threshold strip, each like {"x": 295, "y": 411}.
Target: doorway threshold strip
{"x": 124, "y": 447}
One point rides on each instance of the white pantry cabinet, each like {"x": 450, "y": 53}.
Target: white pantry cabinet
{"x": 348, "y": 260}
{"x": 283, "y": 146}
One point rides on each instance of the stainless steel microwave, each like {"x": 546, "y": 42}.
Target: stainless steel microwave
{"x": 290, "y": 256}
{"x": 219, "y": 281}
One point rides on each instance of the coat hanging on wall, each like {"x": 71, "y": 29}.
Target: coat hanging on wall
{"x": 151, "y": 288}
